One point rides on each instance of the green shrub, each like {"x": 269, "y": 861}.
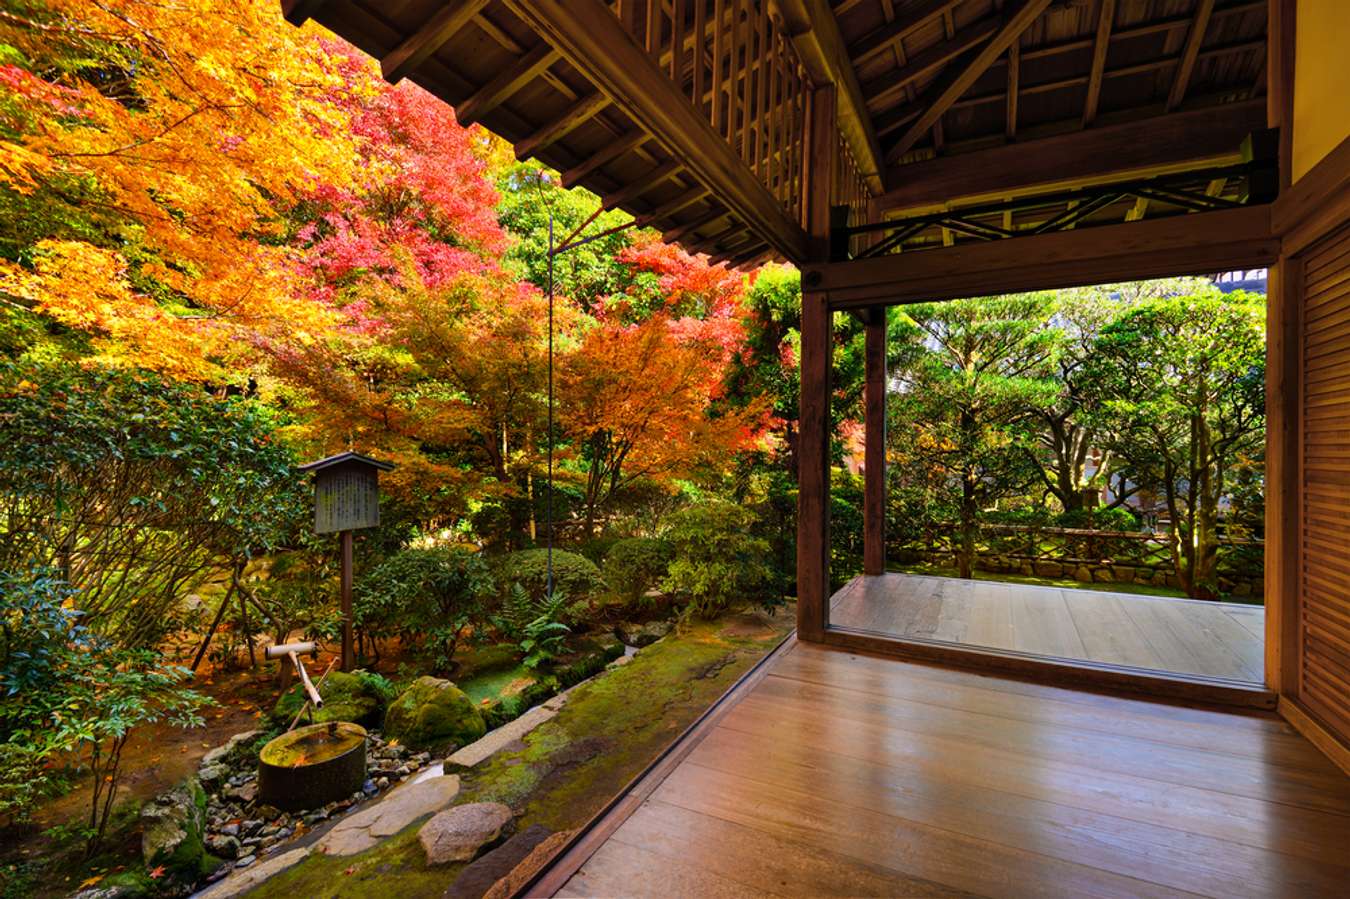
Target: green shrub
{"x": 153, "y": 480}
{"x": 435, "y": 595}
{"x": 636, "y": 565}
{"x": 718, "y": 560}
{"x": 573, "y": 574}
{"x": 597, "y": 548}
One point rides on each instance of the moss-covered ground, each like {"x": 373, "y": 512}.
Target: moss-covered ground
{"x": 567, "y": 769}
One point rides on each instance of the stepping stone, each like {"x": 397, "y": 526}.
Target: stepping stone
{"x": 457, "y": 834}
{"x": 401, "y": 807}
{"x": 245, "y": 880}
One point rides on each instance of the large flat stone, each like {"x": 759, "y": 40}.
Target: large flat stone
{"x": 489, "y": 745}
{"x": 401, "y": 807}
{"x": 242, "y": 881}
{"x": 458, "y": 834}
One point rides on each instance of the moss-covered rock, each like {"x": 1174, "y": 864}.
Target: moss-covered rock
{"x": 173, "y": 827}
{"x": 433, "y": 713}
{"x": 357, "y": 697}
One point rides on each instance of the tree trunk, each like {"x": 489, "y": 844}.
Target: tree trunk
{"x": 965, "y": 556}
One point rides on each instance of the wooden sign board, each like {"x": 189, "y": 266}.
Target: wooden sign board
{"x": 346, "y": 492}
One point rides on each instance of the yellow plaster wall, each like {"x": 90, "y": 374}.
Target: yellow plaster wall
{"x": 1321, "y": 80}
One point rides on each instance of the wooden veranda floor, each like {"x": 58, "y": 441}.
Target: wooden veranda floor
{"x": 1182, "y": 636}
{"x": 841, "y": 774}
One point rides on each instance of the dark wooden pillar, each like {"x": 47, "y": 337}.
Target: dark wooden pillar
{"x": 813, "y": 426}
{"x": 348, "y": 656}
{"x": 874, "y": 451}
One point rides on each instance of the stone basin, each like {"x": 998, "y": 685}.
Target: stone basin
{"x": 312, "y": 766}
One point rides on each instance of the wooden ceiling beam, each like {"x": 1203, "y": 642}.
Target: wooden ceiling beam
{"x": 1165, "y": 247}
{"x": 885, "y": 37}
{"x": 499, "y": 89}
{"x": 1150, "y": 65}
{"x": 1174, "y": 142}
{"x": 1099, "y": 47}
{"x": 1194, "y": 38}
{"x": 634, "y": 189}
{"x": 814, "y": 32}
{"x": 679, "y": 204}
{"x": 951, "y": 90}
{"x": 421, "y": 44}
{"x": 592, "y": 39}
{"x": 297, "y": 12}
{"x": 679, "y": 232}
{"x": 1014, "y": 88}
{"x": 927, "y": 61}
{"x": 571, "y": 119}
{"x": 606, "y": 154}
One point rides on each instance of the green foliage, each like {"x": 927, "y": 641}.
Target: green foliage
{"x": 131, "y": 485}
{"x": 718, "y": 560}
{"x": 433, "y": 595}
{"x": 1178, "y": 385}
{"x": 636, "y": 565}
{"x": 543, "y": 635}
{"x": 573, "y": 574}
{"x": 978, "y": 368}
{"x": 75, "y": 693}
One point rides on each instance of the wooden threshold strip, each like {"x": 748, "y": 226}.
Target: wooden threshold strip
{"x": 1094, "y": 676}
{"x": 587, "y": 840}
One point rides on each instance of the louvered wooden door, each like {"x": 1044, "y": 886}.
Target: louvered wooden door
{"x": 1324, "y": 601}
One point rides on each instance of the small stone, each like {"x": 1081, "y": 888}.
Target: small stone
{"x": 369, "y": 788}
{"x": 382, "y": 782}
{"x": 223, "y": 846}
{"x": 246, "y": 861}
{"x": 211, "y": 775}
{"x": 230, "y": 830}
{"x": 248, "y": 828}
{"x": 458, "y": 834}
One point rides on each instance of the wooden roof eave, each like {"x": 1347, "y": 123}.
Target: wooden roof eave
{"x": 587, "y": 34}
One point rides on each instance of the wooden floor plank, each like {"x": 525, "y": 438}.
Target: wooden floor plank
{"x": 1287, "y": 829}
{"x": 845, "y": 774}
{"x": 764, "y": 861}
{"x": 1174, "y": 858}
{"x": 1255, "y": 737}
{"x": 1182, "y": 636}
{"x": 1254, "y": 778}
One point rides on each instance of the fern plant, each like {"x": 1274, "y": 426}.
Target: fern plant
{"x": 542, "y": 635}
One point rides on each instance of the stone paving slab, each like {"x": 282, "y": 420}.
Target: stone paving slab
{"x": 363, "y": 830}
{"x": 241, "y": 882}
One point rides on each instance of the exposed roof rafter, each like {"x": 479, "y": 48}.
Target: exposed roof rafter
{"x": 950, "y": 90}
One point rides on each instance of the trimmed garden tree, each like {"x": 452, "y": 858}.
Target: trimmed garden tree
{"x": 964, "y": 408}
{"x": 1178, "y": 384}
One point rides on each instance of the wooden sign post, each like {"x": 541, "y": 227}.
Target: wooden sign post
{"x": 346, "y": 497}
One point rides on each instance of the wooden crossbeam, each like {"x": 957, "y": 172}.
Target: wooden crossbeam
{"x": 635, "y": 189}
{"x": 928, "y": 60}
{"x": 507, "y": 82}
{"x": 1194, "y": 38}
{"x": 1099, "y": 47}
{"x": 563, "y": 125}
{"x": 1154, "y": 248}
{"x": 901, "y": 27}
{"x": 1181, "y": 140}
{"x": 952, "y": 89}
{"x": 419, "y": 45}
{"x": 611, "y": 151}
